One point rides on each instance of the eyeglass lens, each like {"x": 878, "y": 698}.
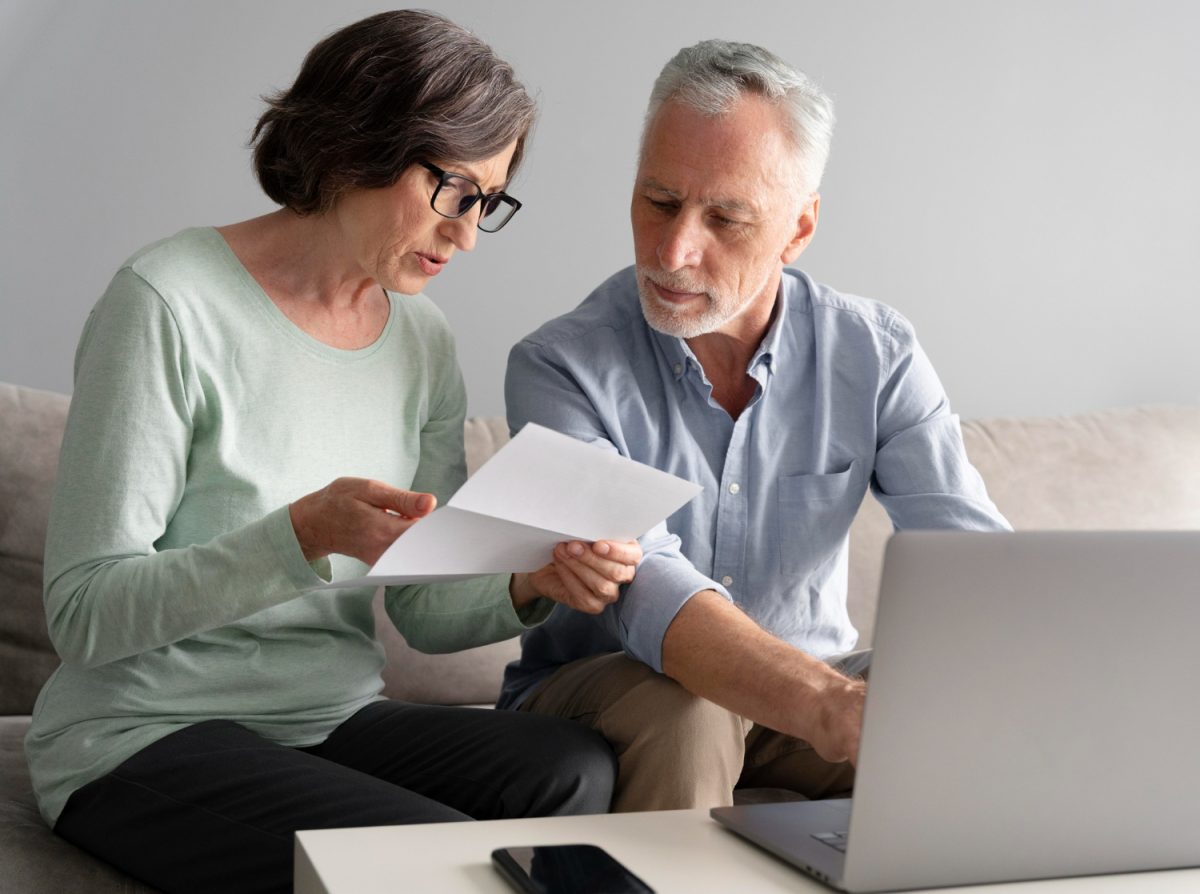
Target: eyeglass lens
{"x": 458, "y": 195}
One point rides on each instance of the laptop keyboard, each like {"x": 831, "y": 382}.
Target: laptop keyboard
{"x": 836, "y": 840}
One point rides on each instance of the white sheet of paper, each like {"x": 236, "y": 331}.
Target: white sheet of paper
{"x": 541, "y": 488}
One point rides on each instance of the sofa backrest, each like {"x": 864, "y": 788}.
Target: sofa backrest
{"x": 1117, "y": 469}
{"x": 31, "y": 428}
{"x": 1123, "y": 469}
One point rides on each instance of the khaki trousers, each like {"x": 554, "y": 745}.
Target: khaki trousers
{"x": 676, "y": 750}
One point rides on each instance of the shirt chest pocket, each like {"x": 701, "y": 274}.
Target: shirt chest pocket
{"x": 815, "y": 512}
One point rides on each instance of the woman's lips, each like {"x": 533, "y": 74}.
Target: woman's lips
{"x": 431, "y": 265}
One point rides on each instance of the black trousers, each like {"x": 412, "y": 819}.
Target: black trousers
{"x": 214, "y": 806}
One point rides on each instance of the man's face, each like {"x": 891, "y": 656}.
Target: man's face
{"x": 718, "y": 209}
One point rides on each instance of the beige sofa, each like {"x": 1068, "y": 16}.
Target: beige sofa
{"x": 1134, "y": 468}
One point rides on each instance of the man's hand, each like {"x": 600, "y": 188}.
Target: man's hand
{"x": 838, "y": 727}
{"x": 356, "y": 517}
{"x": 582, "y": 576}
{"x": 716, "y": 651}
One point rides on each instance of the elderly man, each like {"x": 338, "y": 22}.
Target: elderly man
{"x": 785, "y": 400}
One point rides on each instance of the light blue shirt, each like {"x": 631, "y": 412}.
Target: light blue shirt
{"x": 846, "y": 400}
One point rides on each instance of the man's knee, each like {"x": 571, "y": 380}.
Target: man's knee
{"x": 662, "y": 711}
{"x": 676, "y": 749}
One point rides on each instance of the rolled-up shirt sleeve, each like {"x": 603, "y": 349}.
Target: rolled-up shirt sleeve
{"x": 537, "y": 389}
{"x": 665, "y": 580}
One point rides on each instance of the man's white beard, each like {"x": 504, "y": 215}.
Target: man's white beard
{"x": 687, "y": 323}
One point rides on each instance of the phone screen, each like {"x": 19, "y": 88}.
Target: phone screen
{"x": 566, "y": 869}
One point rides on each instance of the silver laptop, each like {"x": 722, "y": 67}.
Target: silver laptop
{"x": 1033, "y": 712}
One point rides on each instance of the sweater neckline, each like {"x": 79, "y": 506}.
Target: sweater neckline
{"x": 289, "y": 329}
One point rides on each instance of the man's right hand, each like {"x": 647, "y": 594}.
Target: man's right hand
{"x": 356, "y": 517}
{"x": 836, "y": 733}
{"x": 716, "y": 651}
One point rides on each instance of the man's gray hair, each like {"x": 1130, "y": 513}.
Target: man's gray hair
{"x": 712, "y": 75}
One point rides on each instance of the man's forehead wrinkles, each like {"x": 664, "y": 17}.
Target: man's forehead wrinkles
{"x": 728, "y": 203}
{"x": 658, "y": 186}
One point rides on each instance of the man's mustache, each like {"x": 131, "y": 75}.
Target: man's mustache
{"x": 676, "y": 282}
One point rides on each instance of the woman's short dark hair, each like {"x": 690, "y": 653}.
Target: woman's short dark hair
{"x": 379, "y": 95}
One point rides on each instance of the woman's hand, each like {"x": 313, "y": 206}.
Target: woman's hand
{"x": 582, "y": 576}
{"x": 356, "y": 517}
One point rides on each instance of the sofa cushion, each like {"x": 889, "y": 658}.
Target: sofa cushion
{"x": 31, "y": 429}
{"x": 1123, "y": 469}
{"x": 34, "y": 859}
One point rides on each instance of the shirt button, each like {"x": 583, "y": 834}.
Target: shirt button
{"x": 678, "y": 369}
{"x": 727, "y": 581}
{"x": 734, "y": 488}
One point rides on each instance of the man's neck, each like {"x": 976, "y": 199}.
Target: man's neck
{"x": 725, "y": 354}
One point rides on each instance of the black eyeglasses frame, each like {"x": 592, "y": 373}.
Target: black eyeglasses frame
{"x": 480, "y": 196}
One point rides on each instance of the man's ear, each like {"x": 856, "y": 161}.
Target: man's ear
{"x": 806, "y": 228}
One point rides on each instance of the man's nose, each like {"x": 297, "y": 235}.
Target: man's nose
{"x": 680, "y": 245}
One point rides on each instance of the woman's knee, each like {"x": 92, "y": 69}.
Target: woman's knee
{"x": 576, "y": 771}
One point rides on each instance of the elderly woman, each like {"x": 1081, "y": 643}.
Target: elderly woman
{"x": 209, "y": 703}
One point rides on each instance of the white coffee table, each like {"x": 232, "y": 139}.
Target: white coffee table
{"x": 672, "y": 851}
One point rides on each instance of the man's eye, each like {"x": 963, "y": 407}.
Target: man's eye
{"x": 659, "y": 205}
{"x": 725, "y": 222}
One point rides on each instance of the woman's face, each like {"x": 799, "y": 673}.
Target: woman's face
{"x": 397, "y": 238}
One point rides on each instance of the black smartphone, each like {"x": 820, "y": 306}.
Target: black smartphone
{"x": 566, "y": 869}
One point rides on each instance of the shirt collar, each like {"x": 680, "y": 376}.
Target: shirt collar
{"x": 768, "y": 350}
{"x": 679, "y": 356}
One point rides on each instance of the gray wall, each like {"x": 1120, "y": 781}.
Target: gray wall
{"x": 1018, "y": 178}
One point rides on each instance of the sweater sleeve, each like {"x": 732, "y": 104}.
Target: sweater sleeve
{"x": 110, "y": 591}
{"x": 446, "y": 617}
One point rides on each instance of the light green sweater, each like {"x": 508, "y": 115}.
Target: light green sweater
{"x": 173, "y": 577}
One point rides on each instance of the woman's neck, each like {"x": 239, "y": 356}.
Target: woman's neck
{"x": 309, "y": 274}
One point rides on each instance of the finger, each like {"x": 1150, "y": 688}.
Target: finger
{"x": 410, "y": 504}
{"x": 615, "y": 571}
{"x": 601, "y": 588}
{"x": 627, "y": 552}
{"x": 579, "y": 596}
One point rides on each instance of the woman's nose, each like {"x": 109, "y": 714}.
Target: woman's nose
{"x": 463, "y": 231}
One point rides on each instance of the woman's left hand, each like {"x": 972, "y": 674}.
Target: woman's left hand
{"x": 583, "y": 576}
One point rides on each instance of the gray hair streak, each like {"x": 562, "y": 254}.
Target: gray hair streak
{"x": 712, "y": 75}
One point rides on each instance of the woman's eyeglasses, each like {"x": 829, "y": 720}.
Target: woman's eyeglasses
{"x": 455, "y": 195}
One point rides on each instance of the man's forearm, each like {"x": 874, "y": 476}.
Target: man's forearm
{"x": 715, "y": 651}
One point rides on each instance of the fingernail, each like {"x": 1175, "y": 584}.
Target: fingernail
{"x": 424, "y": 502}
{"x": 602, "y": 548}
{"x": 575, "y": 549}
